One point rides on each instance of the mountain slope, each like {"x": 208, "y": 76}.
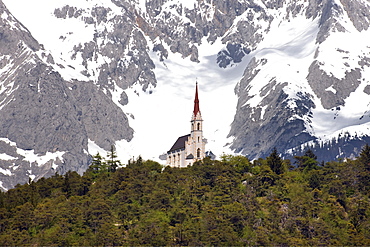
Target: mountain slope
{"x": 308, "y": 88}
{"x": 46, "y": 122}
{"x": 285, "y": 74}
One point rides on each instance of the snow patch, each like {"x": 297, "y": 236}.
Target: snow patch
{"x": 4, "y": 156}
{"x": 6, "y": 172}
{"x": 14, "y": 167}
{"x": 189, "y": 4}
{"x": 331, "y": 89}
{"x": 263, "y": 110}
{"x": 1, "y": 186}
{"x": 94, "y": 149}
{"x": 31, "y": 157}
{"x": 32, "y": 177}
{"x": 142, "y": 5}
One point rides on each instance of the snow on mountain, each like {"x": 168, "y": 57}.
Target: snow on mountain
{"x": 164, "y": 113}
{"x": 176, "y": 77}
{"x": 337, "y": 56}
{"x": 287, "y": 74}
{"x": 290, "y": 53}
{"x": 314, "y": 75}
{"x": 340, "y": 55}
{"x": 64, "y": 34}
{"x": 30, "y": 155}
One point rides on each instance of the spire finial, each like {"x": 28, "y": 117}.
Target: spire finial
{"x": 196, "y": 100}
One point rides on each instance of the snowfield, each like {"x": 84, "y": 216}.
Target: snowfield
{"x": 162, "y": 114}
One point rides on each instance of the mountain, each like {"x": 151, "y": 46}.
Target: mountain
{"x": 46, "y": 121}
{"x": 308, "y": 87}
{"x": 78, "y": 77}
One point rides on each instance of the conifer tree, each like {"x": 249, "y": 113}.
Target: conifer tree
{"x": 364, "y": 161}
{"x": 365, "y": 157}
{"x": 97, "y": 162}
{"x": 308, "y": 161}
{"x": 275, "y": 162}
{"x": 113, "y": 163}
{"x": 309, "y": 153}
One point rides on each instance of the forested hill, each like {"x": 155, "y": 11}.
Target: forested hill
{"x": 229, "y": 202}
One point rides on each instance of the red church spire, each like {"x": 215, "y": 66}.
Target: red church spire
{"x": 196, "y": 101}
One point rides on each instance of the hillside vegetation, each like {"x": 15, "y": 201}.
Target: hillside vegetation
{"x": 227, "y": 202}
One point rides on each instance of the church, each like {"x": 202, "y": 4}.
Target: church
{"x": 189, "y": 148}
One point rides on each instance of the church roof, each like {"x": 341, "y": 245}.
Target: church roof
{"x": 180, "y": 143}
{"x": 196, "y": 101}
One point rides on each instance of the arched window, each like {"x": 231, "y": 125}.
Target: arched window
{"x": 198, "y": 126}
{"x": 198, "y": 153}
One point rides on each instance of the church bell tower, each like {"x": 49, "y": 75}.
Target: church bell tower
{"x": 196, "y": 141}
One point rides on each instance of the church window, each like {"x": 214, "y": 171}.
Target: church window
{"x": 198, "y": 153}
{"x": 198, "y": 139}
{"x": 198, "y": 126}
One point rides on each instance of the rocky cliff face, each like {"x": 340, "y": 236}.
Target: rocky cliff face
{"x": 305, "y": 80}
{"x": 309, "y": 111}
{"x": 46, "y": 122}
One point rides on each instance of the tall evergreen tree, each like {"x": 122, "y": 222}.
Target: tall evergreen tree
{"x": 309, "y": 153}
{"x": 98, "y": 165}
{"x": 97, "y": 162}
{"x": 308, "y": 161}
{"x": 113, "y": 163}
{"x": 364, "y": 160}
{"x": 365, "y": 157}
{"x": 275, "y": 162}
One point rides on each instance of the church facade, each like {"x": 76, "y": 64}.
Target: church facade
{"x": 189, "y": 148}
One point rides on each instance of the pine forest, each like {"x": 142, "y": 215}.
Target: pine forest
{"x": 227, "y": 202}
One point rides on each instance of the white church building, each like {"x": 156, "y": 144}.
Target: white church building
{"x": 189, "y": 148}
